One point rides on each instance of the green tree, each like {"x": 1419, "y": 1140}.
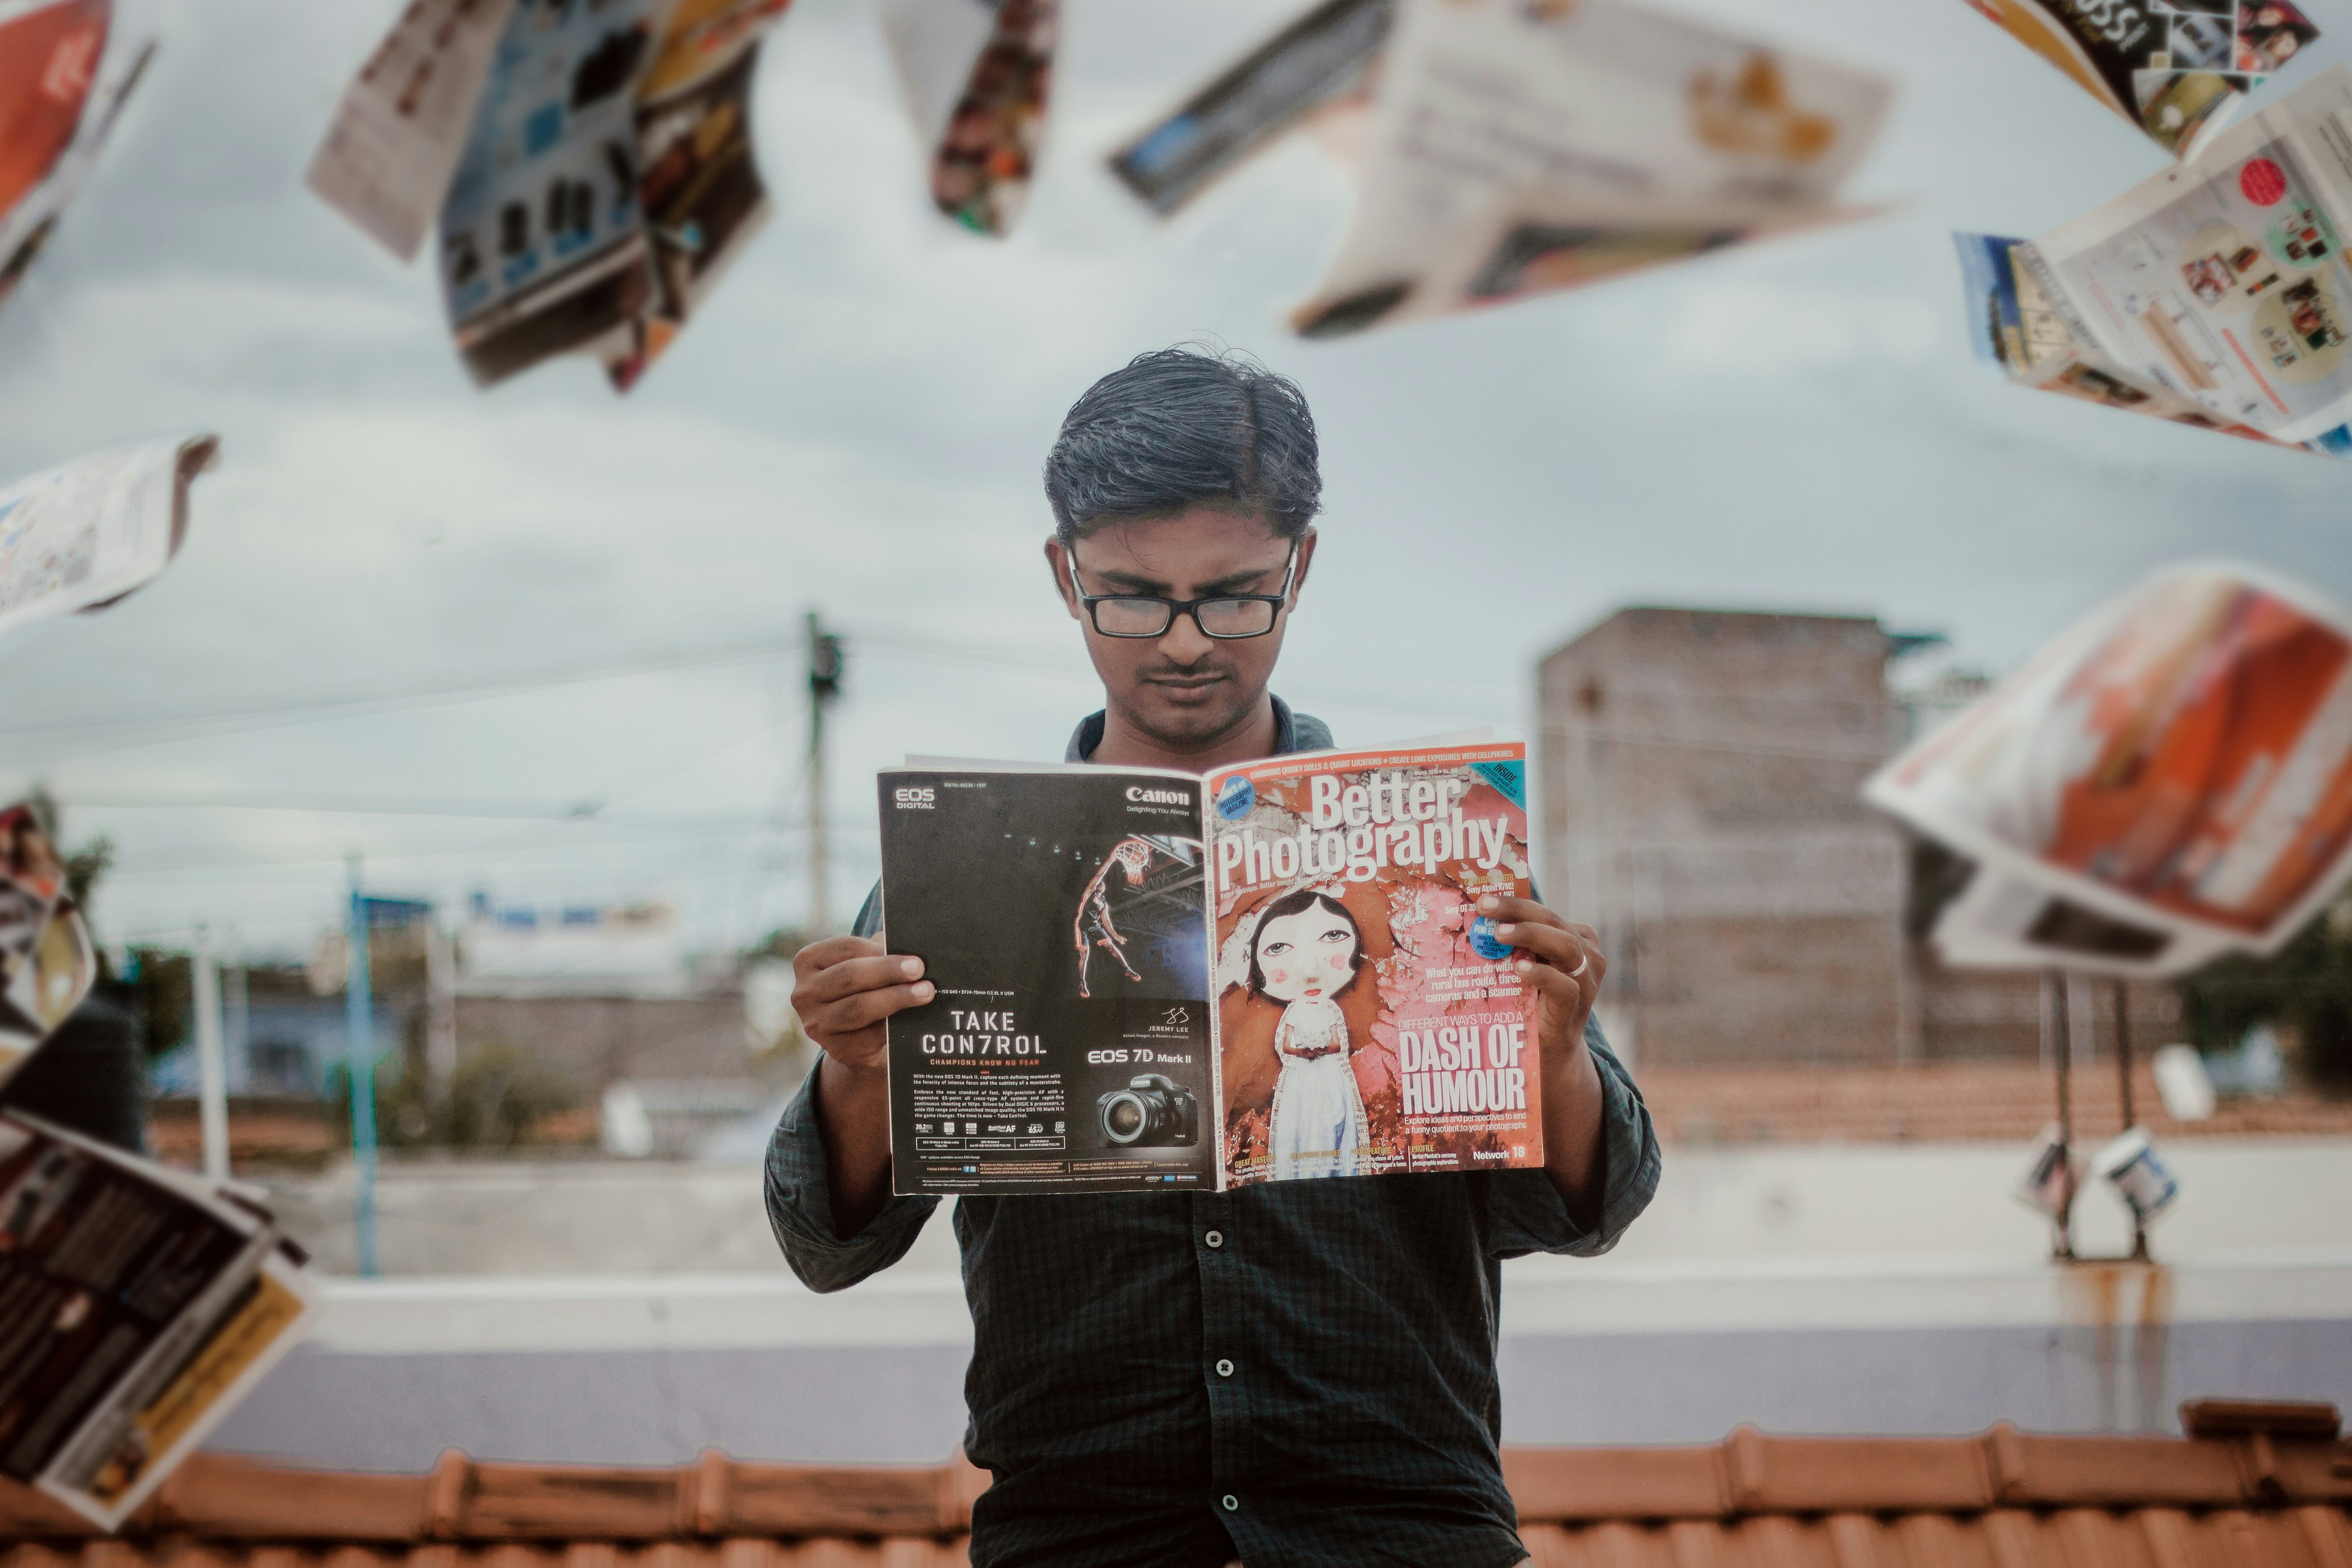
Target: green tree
{"x": 163, "y": 996}
{"x": 2303, "y": 991}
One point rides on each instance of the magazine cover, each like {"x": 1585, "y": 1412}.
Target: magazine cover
{"x": 1368, "y": 1019}
{"x": 1144, "y": 978}
{"x": 1062, "y": 914}
{"x": 2169, "y": 780}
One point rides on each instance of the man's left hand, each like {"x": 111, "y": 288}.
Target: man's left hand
{"x": 1561, "y": 963}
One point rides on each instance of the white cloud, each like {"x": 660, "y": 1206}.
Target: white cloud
{"x": 857, "y": 422}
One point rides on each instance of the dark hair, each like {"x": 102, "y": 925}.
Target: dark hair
{"x": 1180, "y": 427}
{"x": 1299, "y": 903}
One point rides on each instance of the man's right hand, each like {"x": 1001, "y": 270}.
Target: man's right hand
{"x": 845, "y": 986}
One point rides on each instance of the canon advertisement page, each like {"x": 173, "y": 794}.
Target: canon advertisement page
{"x": 1061, "y": 914}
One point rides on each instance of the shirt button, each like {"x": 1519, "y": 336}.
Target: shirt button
{"x": 1224, "y": 1369}
{"x": 1214, "y": 1239}
{"x": 1232, "y": 1503}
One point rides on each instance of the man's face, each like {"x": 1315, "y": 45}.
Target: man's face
{"x": 1182, "y": 689}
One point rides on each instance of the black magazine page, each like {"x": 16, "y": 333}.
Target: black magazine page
{"x": 1061, "y": 914}
{"x": 97, "y": 1267}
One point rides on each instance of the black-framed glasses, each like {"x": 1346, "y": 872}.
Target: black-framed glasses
{"x": 1227, "y": 616}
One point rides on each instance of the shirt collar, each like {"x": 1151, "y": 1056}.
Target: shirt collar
{"x": 1292, "y": 732}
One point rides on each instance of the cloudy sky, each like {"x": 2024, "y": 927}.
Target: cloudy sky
{"x": 431, "y": 624}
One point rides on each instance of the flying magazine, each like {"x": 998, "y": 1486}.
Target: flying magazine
{"x": 1148, "y": 978}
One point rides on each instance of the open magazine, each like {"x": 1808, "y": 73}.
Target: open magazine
{"x": 1270, "y": 972}
{"x": 2168, "y": 781}
{"x": 81, "y": 535}
{"x": 1520, "y": 148}
{"x": 137, "y": 1306}
{"x": 2176, "y": 69}
{"x": 2215, "y": 294}
{"x": 46, "y": 962}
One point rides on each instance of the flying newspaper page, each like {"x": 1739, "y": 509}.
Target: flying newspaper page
{"x": 2168, "y": 781}
{"x": 66, "y": 68}
{"x": 2176, "y": 69}
{"x": 80, "y": 537}
{"x": 137, "y": 1307}
{"x": 1523, "y": 148}
{"x": 2223, "y": 283}
{"x": 1321, "y": 63}
{"x": 542, "y": 238}
{"x": 388, "y": 157}
{"x": 698, "y": 181}
{"x": 976, "y": 75}
{"x": 2018, "y": 331}
{"x": 46, "y": 962}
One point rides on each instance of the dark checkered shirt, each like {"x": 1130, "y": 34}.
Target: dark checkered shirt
{"x": 1300, "y": 1373}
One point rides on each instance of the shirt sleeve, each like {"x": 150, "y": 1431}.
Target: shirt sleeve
{"x": 800, "y": 1208}
{"x": 1525, "y": 1213}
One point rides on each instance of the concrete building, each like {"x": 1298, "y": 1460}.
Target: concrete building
{"x": 1701, "y": 775}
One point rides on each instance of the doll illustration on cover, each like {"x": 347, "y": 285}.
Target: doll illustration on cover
{"x": 1305, "y": 951}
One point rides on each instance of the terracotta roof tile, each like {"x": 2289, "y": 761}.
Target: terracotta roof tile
{"x": 2267, "y": 1487}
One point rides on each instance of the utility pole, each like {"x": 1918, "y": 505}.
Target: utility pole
{"x": 212, "y": 1069}
{"x": 441, "y": 1011}
{"x": 236, "y": 1012}
{"x": 824, "y": 687}
{"x": 358, "y": 1056}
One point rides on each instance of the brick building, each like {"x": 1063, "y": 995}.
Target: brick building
{"x": 1701, "y": 775}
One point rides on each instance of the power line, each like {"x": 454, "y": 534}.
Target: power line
{"x": 185, "y": 723}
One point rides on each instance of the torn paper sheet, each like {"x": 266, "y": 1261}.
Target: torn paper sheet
{"x": 2176, "y": 69}
{"x": 2223, "y": 283}
{"x": 1496, "y": 117}
{"x": 543, "y": 243}
{"x": 2169, "y": 780}
{"x": 79, "y": 537}
{"x": 976, "y": 75}
{"x": 397, "y": 134}
{"x": 1324, "y": 58}
{"x": 65, "y": 69}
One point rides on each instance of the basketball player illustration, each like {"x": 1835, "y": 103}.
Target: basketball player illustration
{"x": 1133, "y": 857}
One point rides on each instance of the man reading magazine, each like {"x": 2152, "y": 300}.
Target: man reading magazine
{"x": 1298, "y": 1374}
